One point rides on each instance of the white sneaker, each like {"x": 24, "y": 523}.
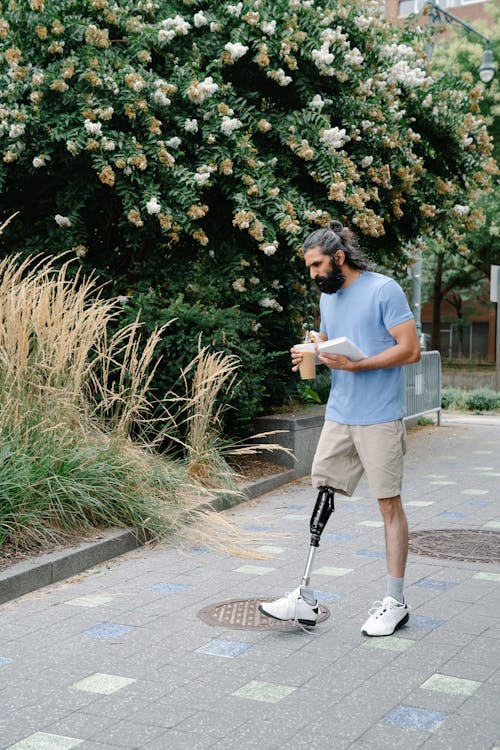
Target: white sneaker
{"x": 299, "y": 605}
{"x": 386, "y": 617}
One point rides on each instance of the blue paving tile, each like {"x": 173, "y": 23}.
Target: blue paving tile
{"x": 221, "y": 647}
{"x": 4, "y": 660}
{"x": 200, "y": 549}
{"x": 420, "y": 621}
{"x": 452, "y": 514}
{"x": 370, "y": 553}
{"x": 416, "y": 718}
{"x": 478, "y": 503}
{"x": 295, "y": 507}
{"x": 340, "y": 537}
{"x": 109, "y": 630}
{"x": 326, "y": 596}
{"x": 429, "y": 583}
{"x": 169, "y": 588}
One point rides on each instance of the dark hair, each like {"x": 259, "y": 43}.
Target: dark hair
{"x": 337, "y": 237}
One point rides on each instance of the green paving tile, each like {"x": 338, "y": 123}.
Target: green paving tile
{"x": 102, "y": 683}
{"x": 492, "y": 525}
{"x": 268, "y": 692}
{"x": 255, "y": 570}
{"x": 329, "y": 571}
{"x": 483, "y": 468}
{"x": 436, "y": 476}
{"x": 373, "y": 524}
{"x": 443, "y": 683}
{"x": 483, "y": 452}
{"x": 392, "y": 643}
{"x": 442, "y": 481}
{"x": 420, "y": 503}
{"x": 44, "y": 741}
{"x": 297, "y": 517}
{"x": 268, "y": 549}
{"x": 475, "y": 492}
{"x": 484, "y": 576}
{"x": 91, "y": 600}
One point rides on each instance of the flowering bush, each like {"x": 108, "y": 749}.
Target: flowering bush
{"x": 190, "y": 145}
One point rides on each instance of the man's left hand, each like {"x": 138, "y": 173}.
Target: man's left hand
{"x": 338, "y": 362}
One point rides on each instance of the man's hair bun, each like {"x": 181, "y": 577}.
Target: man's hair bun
{"x": 336, "y": 226}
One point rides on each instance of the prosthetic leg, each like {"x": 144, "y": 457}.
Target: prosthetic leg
{"x": 300, "y": 605}
{"x": 322, "y": 511}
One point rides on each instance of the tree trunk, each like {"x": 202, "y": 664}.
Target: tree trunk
{"x": 437, "y": 298}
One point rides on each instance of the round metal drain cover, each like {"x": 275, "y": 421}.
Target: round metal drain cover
{"x": 243, "y": 614}
{"x": 468, "y": 545}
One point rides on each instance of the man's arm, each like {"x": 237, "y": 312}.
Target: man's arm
{"x": 405, "y": 351}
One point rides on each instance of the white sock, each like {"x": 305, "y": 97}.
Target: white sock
{"x": 395, "y": 588}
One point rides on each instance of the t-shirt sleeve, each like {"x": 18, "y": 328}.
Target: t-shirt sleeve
{"x": 394, "y": 306}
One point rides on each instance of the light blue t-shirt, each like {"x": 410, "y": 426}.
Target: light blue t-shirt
{"x": 364, "y": 312}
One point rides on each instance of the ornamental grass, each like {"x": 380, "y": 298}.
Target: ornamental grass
{"x": 76, "y": 416}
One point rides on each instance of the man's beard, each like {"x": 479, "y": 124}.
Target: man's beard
{"x": 332, "y": 282}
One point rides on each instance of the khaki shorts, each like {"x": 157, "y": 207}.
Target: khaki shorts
{"x": 345, "y": 451}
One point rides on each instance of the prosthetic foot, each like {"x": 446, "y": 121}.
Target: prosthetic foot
{"x": 300, "y": 605}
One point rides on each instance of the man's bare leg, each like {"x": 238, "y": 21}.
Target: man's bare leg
{"x": 396, "y": 543}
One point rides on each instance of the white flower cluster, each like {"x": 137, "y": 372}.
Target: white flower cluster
{"x": 159, "y": 96}
{"x": 62, "y": 221}
{"x": 200, "y": 19}
{"x": 403, "y": 74}
{"x": 323, "y": 59}
{"x": 204, "y": 89}
{"x": 270, "y": 249}
{"x": 367, "y": 161}
{"x": 153, "y": 206}
{"x": 229, "y": 124}
{"x": 334, "y": 138}
{"x": 279, "y": 76}
{"x": 268, "y": 27}
{"x": 236, "y": 50}
{"x": 235, "y": 10}
{"x": 354, "y": 57}
{"x": 271, "y": 303}
{"x": 317, "y": 102}
{"x": 174, "y": 142}
{"x": 93, "y": 128}
{"x": 203, "y": 173}
{"x": 16, "y": 129}
{"x": 191, "y": 126}
{"x": 461, "y": 210}
{"x": 172, "y": 27}
{"x": 397, "y": 52}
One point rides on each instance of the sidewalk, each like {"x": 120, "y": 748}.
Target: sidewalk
{"x": 117, "y": 657}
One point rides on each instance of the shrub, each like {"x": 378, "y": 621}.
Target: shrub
{"x": 453, "y": 398}
{"x": 190, "y": 146}
{"x": 483, "y": 399}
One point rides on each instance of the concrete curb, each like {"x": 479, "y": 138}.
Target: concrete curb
{"x": 33, "y": 573}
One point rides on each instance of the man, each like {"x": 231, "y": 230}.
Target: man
{"x": 363, "y": 429}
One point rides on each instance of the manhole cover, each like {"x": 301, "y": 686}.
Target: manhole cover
{"x": 243, "y": 614}
{"x": 468, "y": 545}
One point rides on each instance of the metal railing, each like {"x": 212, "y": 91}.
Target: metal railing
{"x": 423, "y": 386}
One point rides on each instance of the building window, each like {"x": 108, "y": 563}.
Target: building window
{"x": 407, "y": 7}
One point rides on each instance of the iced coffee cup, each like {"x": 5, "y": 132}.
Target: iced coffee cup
{"x": 307, "y": 366}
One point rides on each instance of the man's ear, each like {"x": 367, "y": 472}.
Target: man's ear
{"x": 339, "y": 257}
